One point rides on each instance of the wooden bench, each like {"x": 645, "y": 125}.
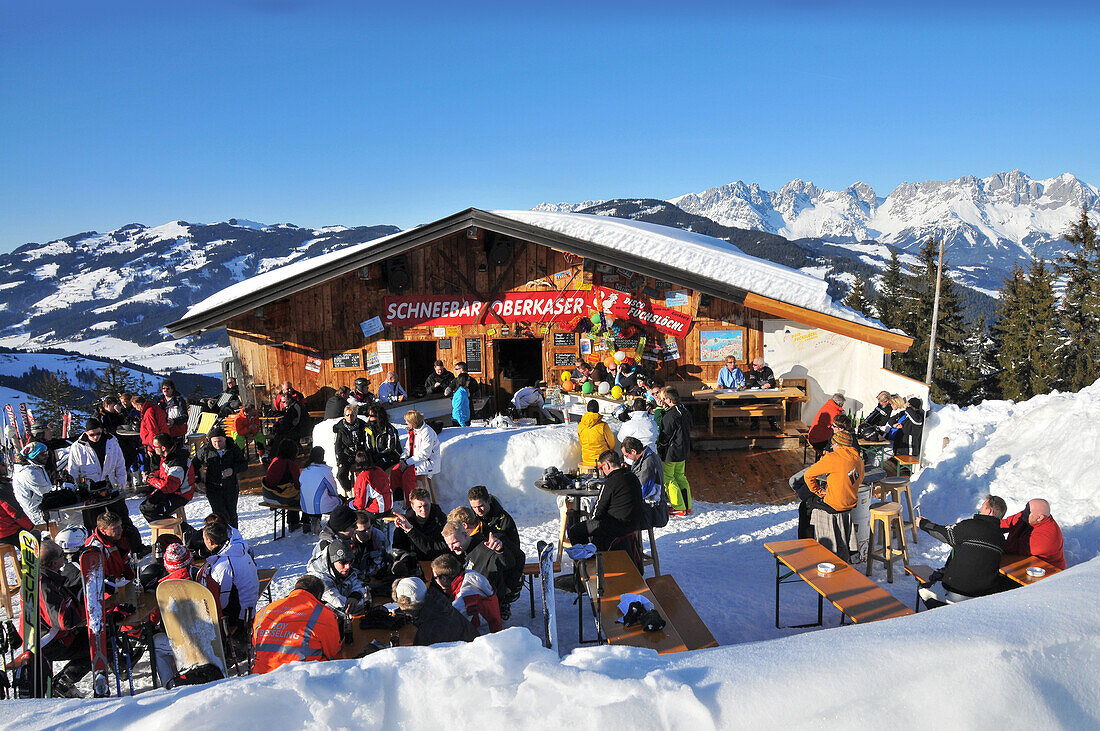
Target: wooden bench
{"x": 277, "y": 509}
{"x": 923, "y": 574}
{"x": 688, "y": 623}
{"x": 857, "y": 597}
{"x": 1015, "y": 567}
{"x": 265, "y": 576}
{"x": 530, "y": 571}
{"x": 619, "y": 577}
{"x": 742, "y": 411}
{"x": 906, "y": 462}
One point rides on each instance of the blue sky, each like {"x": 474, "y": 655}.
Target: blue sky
{"x": 342, "y": 113}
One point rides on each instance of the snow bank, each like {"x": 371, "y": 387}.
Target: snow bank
{"x": 999, "y": 670}
{"x": 1046, "y": 447}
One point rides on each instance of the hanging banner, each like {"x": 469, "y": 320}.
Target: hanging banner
{"x": 624, "y": 306}
{"x": 464, "y": 309}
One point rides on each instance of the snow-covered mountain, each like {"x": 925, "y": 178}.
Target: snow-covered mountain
{"x": 987, "y": 224}
{"x": 112, "y": 293}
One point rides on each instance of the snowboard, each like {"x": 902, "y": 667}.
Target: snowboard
{"x": 549, "y": 603}
{"x": 31, "y": 619}
{"x": 91, "y": 568}
{"x": 190, "y": 617}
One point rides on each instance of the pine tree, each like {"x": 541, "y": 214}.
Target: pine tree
{"x": 56, "y": 395}
{"x": 980, "y": 382}
{"x": 893, "y": 301}
{"x": 857, "y": 297}
{"x": 949, "y": 367}
{"x": 113, "y": 380}
{"x": 1027, "y": 333}
{"x": 1079, "y": 315}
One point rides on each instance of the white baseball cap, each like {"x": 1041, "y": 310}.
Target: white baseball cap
{"x": 412, "y": 588}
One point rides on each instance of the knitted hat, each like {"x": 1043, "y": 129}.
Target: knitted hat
{"x": 176, "y": 557}
{"x": 341, "y": 518}
{"x": 339, "y": 551}
{"x": 413, "y": 588}
{"x": 843, "y": 439}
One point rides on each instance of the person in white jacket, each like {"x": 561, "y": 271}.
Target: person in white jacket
{"x": 30, "y": 481}
{"x": 640, "y": 425}
{"x": 97, "y": 457}
{"x": 235, "y": 571}
{"x": 420, "y": 458}
{"x": 319, "y": 494}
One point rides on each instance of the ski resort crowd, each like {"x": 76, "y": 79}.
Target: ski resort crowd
{"x": 381, "y": 538}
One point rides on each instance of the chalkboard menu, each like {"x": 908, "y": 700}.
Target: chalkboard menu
{"x": 564, "y": 359}
{"x": 565, "y": 339}
{"x": 352, "y": 360}
{"x": 473, "y": 355}
{"x": 621, "y": 343}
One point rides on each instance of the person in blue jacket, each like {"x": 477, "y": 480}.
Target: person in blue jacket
{"x": 391, "y": 391}
{"x": 460, "y": 400}
{"x": 731, "y": 376}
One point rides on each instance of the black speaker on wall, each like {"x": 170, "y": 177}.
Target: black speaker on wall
{"x": 498, "y": 250}
{"x": 397, "y": 273}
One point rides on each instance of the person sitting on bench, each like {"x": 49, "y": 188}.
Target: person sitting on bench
{"x": 1033, "y": 532}
{"x": 344, "y": 591}
{"x": 470, "y": 592}
{"x": 973, "y": 568}
{"x": 490, "y": 559}
{"x": 235, "y": 573}
{"x": 493, "y": 517}
{"x": 429, "y": 609}
{"x": 843, "y": 470}
{"x": 174, "y": 482}
{"x": 618, "y": 508}
{"x": 731, "y": 377}
{"x": 63, "y": 621}
{"x": 419, "y": 529}
{"x": 296, "y": 628}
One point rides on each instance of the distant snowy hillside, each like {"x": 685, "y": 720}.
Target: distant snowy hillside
{"x": 988, "y": 224}
{"x": 126, "y": 284}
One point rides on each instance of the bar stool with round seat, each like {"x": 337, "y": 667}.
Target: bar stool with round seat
{"x": 6, "y": 589}
{"x": 884, "y": 518}
{"x": 157, "y": 528}
{"x": 893, "y": 489}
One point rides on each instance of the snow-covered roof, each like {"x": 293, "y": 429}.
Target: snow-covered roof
{"x": 686, "y": 258}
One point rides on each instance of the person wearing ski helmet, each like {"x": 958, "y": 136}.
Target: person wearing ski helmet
{"x": 361, "y": 397}
{"x": 30, "y": 480}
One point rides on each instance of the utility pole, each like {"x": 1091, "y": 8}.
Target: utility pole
{"x": 935, "y": 321}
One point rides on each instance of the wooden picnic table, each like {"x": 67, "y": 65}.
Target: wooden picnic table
{"x": 755, "y": 402}
{"x": 620, "y": 576}
{"x": 1015, "y": 567}
{"x": 572, "y": 497}
{"x": 847, "y": 589}
{"x": 361, "y": 639}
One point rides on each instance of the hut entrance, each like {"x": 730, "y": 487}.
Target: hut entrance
{"x": 413, "y": 362}
{"x": 518, "y": 363}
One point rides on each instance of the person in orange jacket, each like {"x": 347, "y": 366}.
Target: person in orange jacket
{"x": 297, "y": 627}
{"x": 247, "y": 428}
{"x": 843, "y": 471}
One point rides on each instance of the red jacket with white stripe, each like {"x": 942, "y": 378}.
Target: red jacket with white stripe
{"x": 176, "y": 475}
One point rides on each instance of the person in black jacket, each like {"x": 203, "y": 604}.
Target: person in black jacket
{"x": 759, "y": 375}
{"x": 383, "y": 441}
{"x": 973, "y": 568}
{"x": 334, "y": 407}
{"x": 419, "y": 530}
{"x": 431, "y": 611}
{"x": 490, "y": 558}
{"x": 493, "y": 517}
{"x": 618, "y": 508}
{"x": 909, "y": 428}
{"x": 218, "y": 464}
{"x": 438, "y": 380}
{"x": 61, "y": 610}
{"x": 673, "y": 447}
{"x": 873, "y": 427}
{"x": 351, "y": 438}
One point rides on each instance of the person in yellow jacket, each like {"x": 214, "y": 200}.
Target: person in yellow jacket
{"x": 843, "y": 471}
{"x": 297, "y": 627}
{"x": 594, "y": 434}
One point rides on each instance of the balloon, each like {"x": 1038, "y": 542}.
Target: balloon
{"x": 568, "y": 386}
{"x": 565, "y": 376}
{"x": 605, "y": 387}
{"x": 609, "y": 362}
{"x": 620, "y": 356}
{"x": 587, "y": 388}
{"x": 595, "y": 318}
{"x": 616, "y": 392}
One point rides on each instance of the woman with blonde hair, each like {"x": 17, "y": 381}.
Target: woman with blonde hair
{"x": 420, "y": 459}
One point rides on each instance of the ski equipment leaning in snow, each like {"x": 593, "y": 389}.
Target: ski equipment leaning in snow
{"x": 189, "y": 612}
{"x": 549, "y": 613}
{"x": 28, "y": 594}
{"x": 91, "y": 568}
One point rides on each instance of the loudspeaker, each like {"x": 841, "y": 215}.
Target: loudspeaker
{"x": 397, "y": 274}
{"x": 498, "y": 250}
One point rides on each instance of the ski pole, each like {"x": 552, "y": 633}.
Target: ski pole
{"x": 114, "y": 658}
{"x": 128, "y": 649}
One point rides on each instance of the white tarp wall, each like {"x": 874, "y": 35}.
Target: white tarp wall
{"x": 832, "y": 363}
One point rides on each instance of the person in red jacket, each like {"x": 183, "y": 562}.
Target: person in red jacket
{"x": 821, "y": 430}
{"x": 1033, "y": 532}
{"x": 372, "y": 486}
{"x": 12, "y": 517}
{"x": 153, "y": 421}
{"x": 107, "y": 538}
{"x": 178, "y": 564}
{"x": 298, "y": 627}
{"x": 64, "y": 637}
{"x": 174, "y": 482}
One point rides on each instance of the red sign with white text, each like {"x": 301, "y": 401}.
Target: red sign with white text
{"x": 465, "y": 309}
{"x": 617, "y": 304}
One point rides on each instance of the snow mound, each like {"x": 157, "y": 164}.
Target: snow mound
{"x": 1046, "y": 447}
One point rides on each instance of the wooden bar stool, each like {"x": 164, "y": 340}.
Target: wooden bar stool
{"x": 651, "y": 558}
{"x": 157, "y": 528}
{"x": 886, "y": 516}
{"x": 425, "y": 481}
{"x": 891, "y": 489}
{"x": 6, "y": 589}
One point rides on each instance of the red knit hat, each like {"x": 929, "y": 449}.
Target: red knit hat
{"x": 176, "y": 557}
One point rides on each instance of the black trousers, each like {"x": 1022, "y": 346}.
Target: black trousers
{"x": 118, "y": 507}
{"x": 223, "y": 500}
{"x": 600, "y": 532}
{"x": 345, "y": 476}
{"x": 78, "y": 654}
{"x": 160, "y": 505}
{"x": 810, "y": 502}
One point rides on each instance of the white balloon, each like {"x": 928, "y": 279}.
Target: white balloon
{"x": 619, "y": 356}
{"x": 605, "y": 388}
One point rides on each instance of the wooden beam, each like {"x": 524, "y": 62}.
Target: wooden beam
{"x": 886, "y": 339}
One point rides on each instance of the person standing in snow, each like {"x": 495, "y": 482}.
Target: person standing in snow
{"x": 1033, "y": 532}
{"x": 673, "y": 447}
{"x": 421, "y": 457}
{"x": 460, "y": 401}
{"x": 219, "y": 464}
{"x": 909, "y": 428}
{"x": 175, "y": 406}
{"x": 973, "y": 568}
{"x": 640, "y": 425}
{"x": 318, "y": 490}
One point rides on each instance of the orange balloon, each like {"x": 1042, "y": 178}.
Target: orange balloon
{"x": 610, "y": 362}
{"x": 568, "y": 385}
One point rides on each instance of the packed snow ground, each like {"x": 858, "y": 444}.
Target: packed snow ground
{"x": 1023, "y": 658}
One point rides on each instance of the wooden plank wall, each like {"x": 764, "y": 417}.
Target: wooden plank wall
{"x": 324, "y": 320}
